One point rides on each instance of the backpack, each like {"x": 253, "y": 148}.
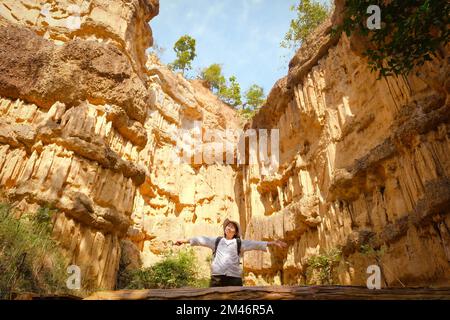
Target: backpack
{"x": 238, "y": 240}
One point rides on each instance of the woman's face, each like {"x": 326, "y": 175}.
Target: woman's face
{"x": 230, "y": 230}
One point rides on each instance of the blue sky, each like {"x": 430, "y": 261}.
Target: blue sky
{"x": 242, "y": 35}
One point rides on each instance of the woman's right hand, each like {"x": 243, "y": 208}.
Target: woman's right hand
{"x": 180, "y": 242}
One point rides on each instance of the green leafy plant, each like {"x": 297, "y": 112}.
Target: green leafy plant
{"x": 201, "y": 283}
{"x": 411, "y": 32}
{"x": 43, "y": 217}
{"x": 367, "y": 249}
{"x": 174, "y": 271}
{"x": 231, "y": 93}
{"x": 247, "y": 114}
{"x": 310, "y": 14}
{"x": 254, "y": 97}
{"x": 322, "y": 265}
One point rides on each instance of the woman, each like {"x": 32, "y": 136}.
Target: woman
{"x": 225, "y": 268}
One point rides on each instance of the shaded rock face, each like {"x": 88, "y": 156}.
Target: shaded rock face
{"x": 89, "y": 123}
{"x": 364, "y": 168}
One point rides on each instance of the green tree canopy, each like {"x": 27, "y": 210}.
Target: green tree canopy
{"x": 411, "y": 32}
{"x": 213, "y": 75}
{"x": 231, "y": 94}
{"x": 185, "y": 51}
{"x": 310, "y": 14}
{"x": 254, "y": 97}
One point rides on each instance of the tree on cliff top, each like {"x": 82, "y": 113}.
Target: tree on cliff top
{"x": 185, "y": 51}
{"x": 310, "y": 14}
{"x": 213, "y": 76}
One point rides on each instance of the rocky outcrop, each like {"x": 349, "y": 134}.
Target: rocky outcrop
{"x": 364, "y": 169}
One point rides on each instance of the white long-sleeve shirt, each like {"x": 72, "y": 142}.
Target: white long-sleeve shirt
{"x": 226, "y": 261}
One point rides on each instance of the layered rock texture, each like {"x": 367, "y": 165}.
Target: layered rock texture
{"x": 90, "y": 125}
{"x": 364, "y": 171}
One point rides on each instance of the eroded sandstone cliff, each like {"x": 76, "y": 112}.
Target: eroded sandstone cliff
{"x": 364, "y": 171}
{"x": 87, "y": 125}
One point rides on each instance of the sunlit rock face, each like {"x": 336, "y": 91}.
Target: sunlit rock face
{"x": 182, "y": 199}
{"x": 90, "y": 124}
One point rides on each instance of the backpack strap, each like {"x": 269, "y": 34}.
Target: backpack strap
{"x": 238, "y": 241}
{"x": 216, "y": 245}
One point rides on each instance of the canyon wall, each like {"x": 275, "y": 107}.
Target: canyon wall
{"x": 364, "y": 171}
{"x": 88, "y": 124}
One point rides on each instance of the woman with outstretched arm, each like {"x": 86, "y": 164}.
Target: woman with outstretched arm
{"x": 225, "y": 268}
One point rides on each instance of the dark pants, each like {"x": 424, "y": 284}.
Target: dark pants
{"x": 224, "y": 281}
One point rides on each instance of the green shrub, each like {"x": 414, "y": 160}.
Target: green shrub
{"x": 30, "y": 261}
{"x": 174, "y": 271}
{"x": 322, "y": 266}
